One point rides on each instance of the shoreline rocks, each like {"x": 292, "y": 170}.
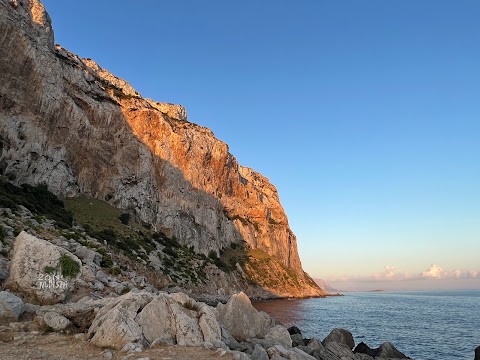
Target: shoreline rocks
{"x": 141, "y": 319}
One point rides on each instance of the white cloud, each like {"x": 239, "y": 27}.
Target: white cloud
{"x": 390, "y": 273}
{"x": 437, "y": 272}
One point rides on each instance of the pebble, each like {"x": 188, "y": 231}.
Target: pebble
{"x": 107, "y": 355}
{"x": 79, "y": 336}
{"x": 42, "y": 355}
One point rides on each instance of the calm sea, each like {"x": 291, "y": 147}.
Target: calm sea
{"x": 440, "y": 325}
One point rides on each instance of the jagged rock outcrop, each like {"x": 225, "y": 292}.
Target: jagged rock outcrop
{"x": 142, "y": 318}
{"x": 67, "y": 122}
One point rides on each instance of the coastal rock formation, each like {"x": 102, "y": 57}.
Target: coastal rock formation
{"x": 280, "y": 335}
{"x": 142, "y": 318}
{"x": 42, "y": 272}
{"x": 388, "y": 351}
{"x": 341, "y": 336}
{"x": 242, "y": 320}
{"x": 139, "y": 320}
{"x": 68, "y": 123}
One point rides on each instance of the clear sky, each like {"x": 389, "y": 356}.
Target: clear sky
{"x": 364, "y": 114}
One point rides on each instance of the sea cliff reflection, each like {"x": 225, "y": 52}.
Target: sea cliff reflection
{"x": 288, "y": 312}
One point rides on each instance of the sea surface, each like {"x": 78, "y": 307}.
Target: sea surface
{"x": 436, "y": 325}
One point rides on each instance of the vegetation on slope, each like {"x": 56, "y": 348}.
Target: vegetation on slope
{"x": 118, "y": 231}
{"x": 123, "y": 243}
{"x": 37, "y": 199}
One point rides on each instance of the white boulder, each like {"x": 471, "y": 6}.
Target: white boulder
{"x": 242, "y": 320}
{"x": 41, "y": 271}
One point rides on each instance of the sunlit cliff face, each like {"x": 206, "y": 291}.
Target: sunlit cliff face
{"x": 79, "y": 129}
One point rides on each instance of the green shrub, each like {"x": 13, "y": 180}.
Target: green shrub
{"x": 124, "y": 218}
{"x": 115, "y": 271}
{"x": 125, "y": 290}
{"x": 213, "y": 255}
{"x": 68, "y": 266}
{"x": 171, "y": 252}
{"x": 49, "y": 270}
{"x": 17, "y": 230}
{"x": 106, "y": 258}
{"x": 39, "y": 218}
{"x": 37, "y": 199}
{"x": 73, "y": 236}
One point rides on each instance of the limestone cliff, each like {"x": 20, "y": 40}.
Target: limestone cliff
{"x": 67, "y": 122}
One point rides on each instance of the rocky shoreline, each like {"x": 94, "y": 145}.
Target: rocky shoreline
{"x": 140, "y": 321}
{"x": 51, "y": 289}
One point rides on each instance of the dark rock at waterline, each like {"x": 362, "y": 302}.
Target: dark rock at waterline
{"x": 294, "y": 330}
{"x": 297, "y": 339}
{"x": 341, "y": 336}
{"x": 363, "y": 348}
{"x": 387, "y": 350}
{"x": 477, "y": 353}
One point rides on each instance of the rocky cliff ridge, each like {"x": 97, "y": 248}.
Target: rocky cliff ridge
{"x": 68, "y": 123}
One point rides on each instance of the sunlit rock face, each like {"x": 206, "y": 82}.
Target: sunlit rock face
{"x": 67, "y": 122}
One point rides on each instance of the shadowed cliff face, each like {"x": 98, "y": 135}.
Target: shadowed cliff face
{"x": 66, "y": 122}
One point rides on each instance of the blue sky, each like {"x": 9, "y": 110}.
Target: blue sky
{"x": 364, "y": 114}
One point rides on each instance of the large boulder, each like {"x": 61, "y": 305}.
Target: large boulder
{"x": 315, "y": 344}
{"x": 259, "y": 353}
{"x": 325, "y": 354}
{"x": 179, "y": 320}
{"x": 280, "y": 335}
{"x": 242, "y": 320}
{"x": 363, "y": 348}
{"x": 209, "y": 324}
{"x": 88, "y": 256}
{"x": 477, "y": 353}
{"x": 11, "y": 307}
{"x": 297, "y": 340}
{"x": 163, "y": 327}
{"x": 387, "y": 350}
{"x": 115, "y": 325}
{"x": 143, "y": 318}
{"x": 80, "y": 313}
{"x": 279, "y": 351}
{"x": 341, "y": 336}
{"x": 56, "y": 321}
{"x": 42, "y": 272}
{"x": 294, "y": 330}
{"x": 341, "y": 350}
